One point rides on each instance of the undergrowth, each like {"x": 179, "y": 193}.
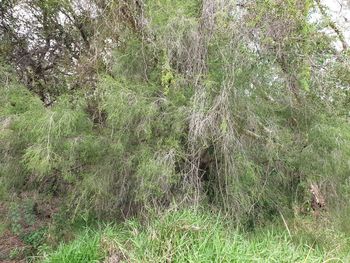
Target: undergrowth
{"x": 189, "y": 236}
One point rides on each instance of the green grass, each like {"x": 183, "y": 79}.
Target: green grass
{"x": 186, "y": 236}
{"x": 86, "y": 248}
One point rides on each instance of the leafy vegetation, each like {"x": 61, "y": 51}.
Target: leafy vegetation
{"x": 112, "y": 110}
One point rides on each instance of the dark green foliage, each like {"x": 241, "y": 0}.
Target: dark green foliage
{"x": 36, "y": 238}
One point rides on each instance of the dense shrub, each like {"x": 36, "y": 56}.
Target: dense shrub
{"x": 196, "y": 103}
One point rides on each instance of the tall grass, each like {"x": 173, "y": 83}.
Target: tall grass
{"x": 187, "y": 236}
{"x": 86, "y": 248}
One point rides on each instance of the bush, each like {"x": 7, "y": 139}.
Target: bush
{"x": 199, "y": 104}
